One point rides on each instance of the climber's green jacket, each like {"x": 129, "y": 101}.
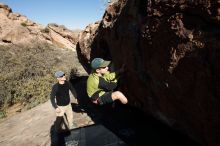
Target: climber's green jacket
{"x": 98, "y": 85}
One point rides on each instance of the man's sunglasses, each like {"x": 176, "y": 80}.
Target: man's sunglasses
{"x": 62, "y": 76}
{"x": 102, "y": 67}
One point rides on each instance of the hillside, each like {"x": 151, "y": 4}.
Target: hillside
{"x": 29, "y": 55}
{"x": 16, "y": 28}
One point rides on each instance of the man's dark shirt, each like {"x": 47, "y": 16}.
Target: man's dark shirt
{"x": 61, "y": 93}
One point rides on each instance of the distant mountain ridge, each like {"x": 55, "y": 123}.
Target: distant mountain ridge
{"x": 18, "y": 29}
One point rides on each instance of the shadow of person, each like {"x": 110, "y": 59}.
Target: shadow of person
{"x": 58, "y": 131}
{"x": 77, "y": 108}
{"x": 83, "y": 105}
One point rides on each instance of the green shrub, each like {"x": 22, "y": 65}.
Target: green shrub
{"x": 26, "y": 74}
{"x": 23, "y": 24}
{"x": 45, "y": 30}
{"x": 2, "y": 114}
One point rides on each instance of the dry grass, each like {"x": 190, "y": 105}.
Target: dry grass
{"x": 26, "y": 74}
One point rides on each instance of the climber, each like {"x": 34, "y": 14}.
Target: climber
{"x": 101, "y": 83}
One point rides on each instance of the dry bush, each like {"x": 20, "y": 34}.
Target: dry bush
{"x": 26, "y": 74}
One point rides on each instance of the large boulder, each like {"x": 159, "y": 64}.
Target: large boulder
{"x": 171, "y": 51}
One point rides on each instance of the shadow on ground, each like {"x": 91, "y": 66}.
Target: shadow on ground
{"x": 118, "y": 126}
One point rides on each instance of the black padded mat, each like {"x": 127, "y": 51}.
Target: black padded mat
{"x": 96, "y": 135}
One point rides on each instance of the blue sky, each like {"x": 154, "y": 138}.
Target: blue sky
{"x": 73, "y": 14}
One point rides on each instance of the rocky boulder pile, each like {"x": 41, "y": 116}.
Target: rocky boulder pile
{"x": 18, "y": 29}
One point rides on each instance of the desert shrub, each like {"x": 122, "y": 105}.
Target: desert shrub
{"x": 2, "y": 114}
{"x": 45, "y": 30}
{"x": 26, "y": 74}
{"x": 23, "y": 24}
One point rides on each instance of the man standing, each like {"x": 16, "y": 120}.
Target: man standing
{"x": 60, "y": 99}
{"x": 101, "y": 83}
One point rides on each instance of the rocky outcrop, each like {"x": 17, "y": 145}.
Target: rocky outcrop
{"x": 16, "y": 28}
{"x": 64, "y": 32}
{"x": 61, "y": 36}
{"x": 5, "y": 9}
{"x": 85, "y": 41}
{"x": 171, "y": 51}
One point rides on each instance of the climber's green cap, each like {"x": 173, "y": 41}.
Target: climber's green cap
{"x": 99, "y": 62}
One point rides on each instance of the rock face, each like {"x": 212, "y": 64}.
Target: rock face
{"x": 16, "y": 28}
{"x": 171, "y": 50}
{"x": 86, "y": 38}
{"x": 61, "y": 36}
